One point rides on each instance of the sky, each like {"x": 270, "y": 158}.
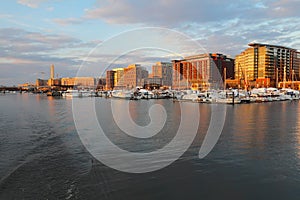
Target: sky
{"x": 37, "y": 33}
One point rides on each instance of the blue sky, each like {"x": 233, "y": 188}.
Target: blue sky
{"x": 37, "y": 33}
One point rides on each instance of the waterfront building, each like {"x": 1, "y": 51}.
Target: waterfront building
{"x": 118, "y": 78}
{"x": 26, "y": 86}
{"x": 263, "y": 65}
{"x": 101, "y": 83}
{"x": 224, "y": 64}
{"x": 134, "y": 76}
{"x": 110, "y": 76}
{"x": 163, "y": 71}
{"x": 83, "y": 82}
{"x": 54, "y": 82}
{"x": 153, "y": 83}
{"x": 200, "y": 72}
{"x": 41, "y": 83}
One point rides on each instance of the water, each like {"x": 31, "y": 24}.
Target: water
{"x": 42, "y": 157}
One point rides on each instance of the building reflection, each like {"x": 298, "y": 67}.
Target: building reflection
{"x": 51, "y": 106}
{"x": 298, "y": 132}
{"x": 249, "y": 131}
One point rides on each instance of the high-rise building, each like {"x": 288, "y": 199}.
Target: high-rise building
{"x": 224, "y": 65}
{"x": 134, "y": 76}
{"x": 118, "y": 78}
{"x": 101, "y": 83}
{"x": 200, "y": 72}
{"x": 163, "y": 70}
{"x": 267, "y": 65}
{"x": 110, "y": 77}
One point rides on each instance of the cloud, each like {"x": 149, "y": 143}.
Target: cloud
{"x": 285, "y": 8}
{"x": 19, "y": 40}
{"x": 31, "y": 3}
{"x": 233, "y": 37}
{"x": 172, "y": 12}
{"x": 26, "y": 52}
{"x": 68, "y": 21}
{"x": 226, "y": 25}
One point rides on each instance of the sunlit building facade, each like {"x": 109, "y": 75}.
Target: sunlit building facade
{"x": 264, "y": 65}
{"x": 41, "y": 83}
{"x": 51, "y": 80}
{"x": 54, "y": 82}
{"x": 201, "y": 72}
{"x": 52, "y": 71}
{"x": 134, "y": 76}
{"x": 162, "y": 70}
{"x": 78, "y": 82}
{"x": 118, "y": 78}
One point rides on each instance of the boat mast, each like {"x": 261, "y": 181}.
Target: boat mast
{"x": 276, "y": 74}
{"x": 246, "y": 81}
{"x": 239, "y": 76}
{"x": 284, "y": 75}
{"x": 292, "y": 78}
{"x": 187, "y": 76}
{"x": 224, "y": 77}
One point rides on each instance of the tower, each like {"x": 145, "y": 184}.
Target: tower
{"x": 52, "y": 72}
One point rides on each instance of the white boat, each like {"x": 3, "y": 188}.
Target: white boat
{"x": 145, "y": 94}
{"x": 123, "y": 94}
{"x": 178, "y": 95}
{"x": 285, "y": 94}
{"x": 87, "y": 93}
{"x": 190, "y": 95}
{"x": 228, "y": 97}
{"x": 228, "y": 100}
{"x": 290, "y": 94}
{"x": 71, "y": 93}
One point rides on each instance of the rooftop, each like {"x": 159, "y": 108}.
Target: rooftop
{"x": 268, "y": 45}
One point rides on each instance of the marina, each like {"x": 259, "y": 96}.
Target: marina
{"x": 232, "y": 96}
{"x": 150, "y": 100}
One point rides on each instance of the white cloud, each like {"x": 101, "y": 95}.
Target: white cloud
{"x": 225, "y": 26}
{"x": 28, "y": 52}
{"x": 31, "y": 3}
{"x": 68, "y": 21}
{"x": 171, "y": 13}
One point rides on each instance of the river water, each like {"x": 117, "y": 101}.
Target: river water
{"x": 42, "y": 157}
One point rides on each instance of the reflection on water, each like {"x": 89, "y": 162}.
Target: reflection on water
{"x": 297, "y": 132}
{"x": 41, "y": 156}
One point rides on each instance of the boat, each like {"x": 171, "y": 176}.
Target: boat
{"x": 87, "y": 93}
{"x": 190, "y": 95}
{"x": 123, "y": 94}
{"x": 228, "y": 97}
{"x": 228, "y": 100}
{"x": 71, "y": 93}
{"x": 54, "y": 93}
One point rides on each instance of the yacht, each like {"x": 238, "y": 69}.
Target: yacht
{"x": 72, "y": 93}
{"x": 123, "y": 94}
{"x": 190, "y": 95}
